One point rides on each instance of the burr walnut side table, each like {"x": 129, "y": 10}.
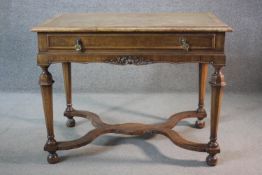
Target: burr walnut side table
{"x": 132, "y": 39}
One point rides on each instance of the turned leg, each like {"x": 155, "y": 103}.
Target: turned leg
{"x": 68, "y": 91}
{"x": 46, "y": 82}
{"x": 217, "y": 83}
{"x": 203, "y": 68}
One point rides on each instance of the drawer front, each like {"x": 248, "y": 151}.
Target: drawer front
{"x": 130, "y": 41}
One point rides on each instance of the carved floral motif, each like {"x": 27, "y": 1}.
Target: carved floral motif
{"x": 124, "y": 60}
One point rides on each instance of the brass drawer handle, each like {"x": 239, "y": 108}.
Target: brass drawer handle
{"x": 184, "y": 44}
{"x": 78, "y": 45}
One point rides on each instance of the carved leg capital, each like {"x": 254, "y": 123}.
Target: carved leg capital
{"x": 45, "y": 78}
{"x": 217, "y": 79}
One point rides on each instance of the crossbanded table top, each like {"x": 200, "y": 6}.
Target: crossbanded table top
{"x": 133, "y": 22}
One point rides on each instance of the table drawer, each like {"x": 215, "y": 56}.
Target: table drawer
{"x": 87, "y": 42}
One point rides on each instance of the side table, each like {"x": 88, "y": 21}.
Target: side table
{"x": 137, "y": 39}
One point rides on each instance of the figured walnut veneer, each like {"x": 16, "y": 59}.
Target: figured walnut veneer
{"x": 133, "y": 39}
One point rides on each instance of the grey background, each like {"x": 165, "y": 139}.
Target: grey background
{"x": 18, "y": 70}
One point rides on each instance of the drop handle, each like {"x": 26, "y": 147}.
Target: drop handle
{"x": 184, "y": 44}
{"x": 78, "y": 45}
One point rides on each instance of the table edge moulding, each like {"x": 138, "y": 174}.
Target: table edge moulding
{"x": 133, "y": 39}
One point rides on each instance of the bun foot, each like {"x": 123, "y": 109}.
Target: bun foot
{"x": 52, "y": 158}
{"x": 200, "y": 124}
{"x": 70, "y": 122}
{"x": 211, "y": 160}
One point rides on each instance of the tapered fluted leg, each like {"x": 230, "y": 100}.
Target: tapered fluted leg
{"x": 46, "y": 82}
{"x": 217, "y": 83}
{"x": 203, "y": 68}
{"x": 68, "y": 91}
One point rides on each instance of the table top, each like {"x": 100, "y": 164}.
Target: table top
{"x": 133, "y": 22}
